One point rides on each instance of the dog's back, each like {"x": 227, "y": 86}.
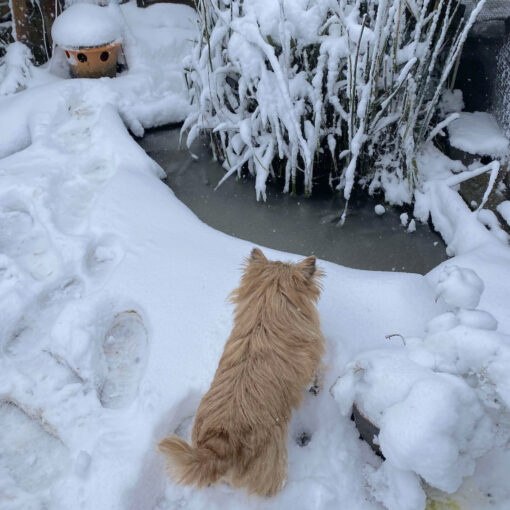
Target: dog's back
{"x": 240, "y": 429}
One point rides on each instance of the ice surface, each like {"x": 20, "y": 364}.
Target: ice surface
{"x": 85, "y": 25}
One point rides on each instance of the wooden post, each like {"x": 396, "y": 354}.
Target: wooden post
{"x": 21, "y": 25}
{"x": 32, "y": 24}
{"x": 146, "y": 3}
{"x": 50, "y": 10}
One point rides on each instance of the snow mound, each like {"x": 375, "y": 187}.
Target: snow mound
{"x": 460, "y": 287}
{"x": 478, "y": 133}
{"x": 85, "y": 25}
{"x": 441, "y": 402}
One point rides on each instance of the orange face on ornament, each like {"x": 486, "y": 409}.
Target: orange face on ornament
{"x": 94, "y": 62}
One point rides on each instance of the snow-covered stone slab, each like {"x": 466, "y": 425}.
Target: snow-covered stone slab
{"x": 478, "y": 133}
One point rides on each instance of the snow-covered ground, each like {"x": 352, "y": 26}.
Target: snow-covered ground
{"x": 114, "y": 315}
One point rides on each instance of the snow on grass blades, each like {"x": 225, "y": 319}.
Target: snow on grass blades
{"x": 15, "y": 68}
{"x": 287, "y": 87}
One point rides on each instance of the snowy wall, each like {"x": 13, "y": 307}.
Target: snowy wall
{"x": 501, "y": 103}
{"x": 483, "y": 75}
{"x": 493, "y": 9}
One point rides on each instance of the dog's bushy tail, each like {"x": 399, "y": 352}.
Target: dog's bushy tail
{"x": 192, "y": 466}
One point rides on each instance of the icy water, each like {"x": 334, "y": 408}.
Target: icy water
{"x": 293, "y": 224}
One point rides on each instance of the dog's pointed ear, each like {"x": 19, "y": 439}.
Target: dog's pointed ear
{"x": 257, "y": 256}
{"x": 308, "y": 266}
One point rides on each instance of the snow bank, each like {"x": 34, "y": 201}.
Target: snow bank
{"x": 478, "y": 133}
{"x": 473, "y": 237}
{"x": 442, "y": 401}
{"x": 113, "y": 298}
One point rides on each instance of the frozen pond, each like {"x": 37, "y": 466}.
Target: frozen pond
{"x": 299, "y": 225}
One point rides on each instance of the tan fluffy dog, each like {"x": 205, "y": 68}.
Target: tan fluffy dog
{"x": 240, "y": 429}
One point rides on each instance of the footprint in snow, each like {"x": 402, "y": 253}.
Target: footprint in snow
{"x": 24, "y": 240}
{"x": 303, "y": 438}
{"x": 73, "y": 193}
{"x": 124, "y": 355}
{"x": 31, "y": 454}
{"x": 64, "y": 290}
{"x": 103, "y": 256}
{"x": 26, "y": 335}
{"x": 9, "y": 275}
{"x": 73, "y": 132}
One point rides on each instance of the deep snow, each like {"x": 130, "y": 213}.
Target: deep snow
{"x": 111, "y": 238}
{"x": 114, "y": 314}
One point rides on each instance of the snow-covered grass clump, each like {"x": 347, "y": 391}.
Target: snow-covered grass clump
{"x": 15, "y": 68}
{"x": 353, "y": 86}
{"x": 441, "y": 402}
